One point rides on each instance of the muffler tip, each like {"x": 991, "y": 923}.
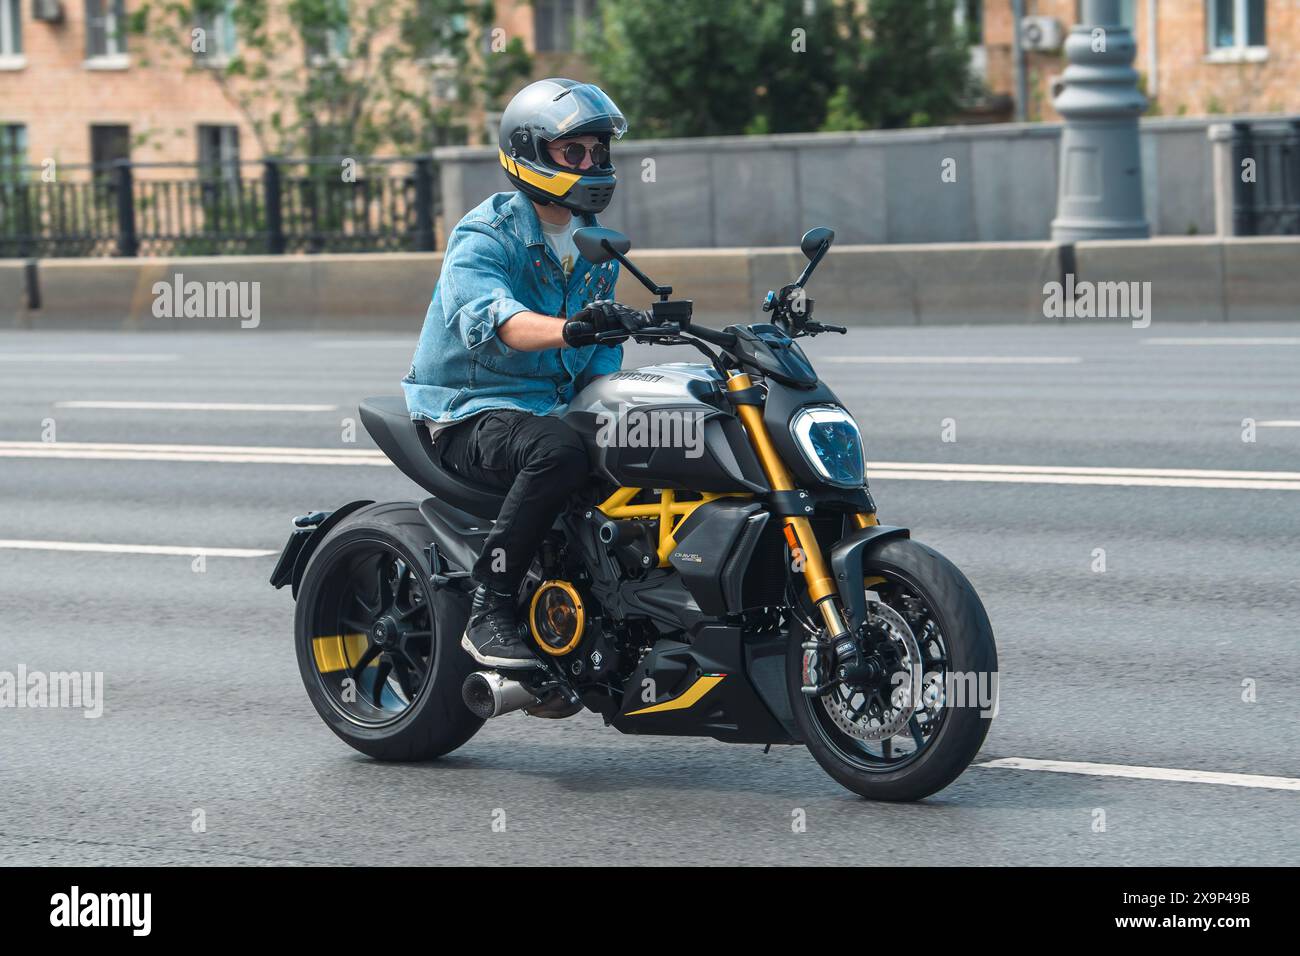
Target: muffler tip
{"x": 477, "y": 694}
{"x": 487, "y": 694}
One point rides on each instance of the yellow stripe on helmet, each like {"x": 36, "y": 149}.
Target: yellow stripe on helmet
{"x": 557, "y": 184}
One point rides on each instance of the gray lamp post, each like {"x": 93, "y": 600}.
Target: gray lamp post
{"x": 1100, "y": 191}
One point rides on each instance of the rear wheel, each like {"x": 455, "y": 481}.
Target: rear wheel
{"x": 914, "y": 711}
{"x": 378, "y": 647}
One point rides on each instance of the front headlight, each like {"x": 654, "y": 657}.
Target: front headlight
{"x": 830, "y": 441}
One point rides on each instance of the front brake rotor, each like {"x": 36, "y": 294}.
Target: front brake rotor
{"x": 882, "y": 712}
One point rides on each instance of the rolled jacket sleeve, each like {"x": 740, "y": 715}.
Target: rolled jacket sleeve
{"x": 477, "y": 272}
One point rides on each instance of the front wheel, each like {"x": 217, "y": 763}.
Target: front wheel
{"x": 911, "y": 714}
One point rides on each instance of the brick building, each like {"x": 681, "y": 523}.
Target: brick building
{"x": 76, "y": 88}
{"x": 1209, "y": 56}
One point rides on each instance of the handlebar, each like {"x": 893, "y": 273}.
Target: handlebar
{"x": 724, "y": 340}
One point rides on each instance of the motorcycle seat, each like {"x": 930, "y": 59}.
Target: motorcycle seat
{"x": 408, "y": 446}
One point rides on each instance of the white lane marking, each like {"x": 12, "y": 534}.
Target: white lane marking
{"x": 219, "y": 449}
{"x": 20, "y": 545}
{"x": 223, "y": 454}
{"x": 365, "y": 344}
{"x": 1144, "y": 773}
{"x": 1280, "y": 423}
{"x": 108, "y": 357}
{"x": 1135, "y": 481}
{"x": 953, "y": 359}
{"x": 198, "y": 406}
{"x": 1086, "y": 470}
{"x": 1224, "y": 340}
{"x": 378, "y": 461}
{"x": 894, "y": 470}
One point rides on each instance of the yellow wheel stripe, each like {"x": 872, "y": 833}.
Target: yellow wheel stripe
{"x": 689, "y": 699}
{"x": 334, "y": 652}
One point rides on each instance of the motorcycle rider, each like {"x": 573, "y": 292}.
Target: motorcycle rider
{"x": 510, "y": 337}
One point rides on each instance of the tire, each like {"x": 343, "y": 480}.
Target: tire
{"x": 434, "y": 720}
{"x": 968, "y": 637}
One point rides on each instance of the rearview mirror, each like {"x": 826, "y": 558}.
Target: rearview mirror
{"x": 591, "y": 240}
{"x": 813, "y": 239}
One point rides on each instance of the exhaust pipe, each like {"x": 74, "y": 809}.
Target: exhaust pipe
{"x": 487, "y": 694}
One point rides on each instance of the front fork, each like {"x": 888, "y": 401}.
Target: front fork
{"x": 799, "y": 535}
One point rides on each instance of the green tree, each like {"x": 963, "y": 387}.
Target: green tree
{"x": 340, "y": 76}
{"x": 914, "y": 69}
{"x": 686, "y": 68}
{"x": 801, "y": 61}
{"x": 679, "y": 67}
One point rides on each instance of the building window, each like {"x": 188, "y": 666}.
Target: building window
{"x": 969, "y": 17}
{"x": 329, "y": 38}
{"x": 108, "y": 144}
{"x": 556, "y": 23}
{"x": 105, "y": 29}
{"x": 13, "y": 150}
{"x": 1236, "y": 29}
{"x": 218, "y": 152}
{"x": 218, "y": 28}
{"x": 11, "y": 28}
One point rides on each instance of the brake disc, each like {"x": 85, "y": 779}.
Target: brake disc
{"x": 877, "y": 717}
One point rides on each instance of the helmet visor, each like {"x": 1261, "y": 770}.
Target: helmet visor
{"x": 578, "y": 110}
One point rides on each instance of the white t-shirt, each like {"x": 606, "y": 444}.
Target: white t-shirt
{"x": 560, "y": 239}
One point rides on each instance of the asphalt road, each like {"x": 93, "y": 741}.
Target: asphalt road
{"x": 1141, "y": 665}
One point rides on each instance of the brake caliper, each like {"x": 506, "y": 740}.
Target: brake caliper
{"x": 817, "y": 660}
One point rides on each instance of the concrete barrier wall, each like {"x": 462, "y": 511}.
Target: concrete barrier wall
{"x": 13, "y": 291}
{"x": 1192, "y": 280}
{"x": 957, "y": 283}
{"x": 871, "y": 187}
{"x": 359, "y": 292}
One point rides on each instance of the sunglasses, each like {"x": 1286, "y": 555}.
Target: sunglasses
{"x": 574, "y": 152}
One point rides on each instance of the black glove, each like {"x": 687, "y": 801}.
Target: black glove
{"x": 604, "y": 316}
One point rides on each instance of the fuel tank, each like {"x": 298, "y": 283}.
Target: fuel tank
{"x": 665, "y": 426}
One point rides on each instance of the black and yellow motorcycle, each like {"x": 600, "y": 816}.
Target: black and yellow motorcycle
{"x": 724, "y": 575}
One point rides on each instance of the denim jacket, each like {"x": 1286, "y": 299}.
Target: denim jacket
{"x": 498, "y": 263}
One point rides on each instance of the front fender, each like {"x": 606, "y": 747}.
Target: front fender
{"x": 846, "y": 565}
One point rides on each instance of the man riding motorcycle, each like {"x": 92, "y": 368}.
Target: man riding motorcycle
{"x": 509, "y": 339}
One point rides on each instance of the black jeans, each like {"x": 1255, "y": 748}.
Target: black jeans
{"x": 538, "y": 460}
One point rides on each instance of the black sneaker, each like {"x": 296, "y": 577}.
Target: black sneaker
{"x": 494, "y": 634}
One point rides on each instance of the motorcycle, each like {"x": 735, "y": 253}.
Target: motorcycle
{"x": 731, "y": 582}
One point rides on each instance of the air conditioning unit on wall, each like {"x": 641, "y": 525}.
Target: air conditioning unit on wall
{"x": 1041, "y": 34}
{"x": 49, "y": 11}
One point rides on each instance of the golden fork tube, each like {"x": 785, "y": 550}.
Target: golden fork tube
{"x": 821, "y": 586}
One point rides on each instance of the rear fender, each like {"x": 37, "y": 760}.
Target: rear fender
{"x": 303, "y": 542}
